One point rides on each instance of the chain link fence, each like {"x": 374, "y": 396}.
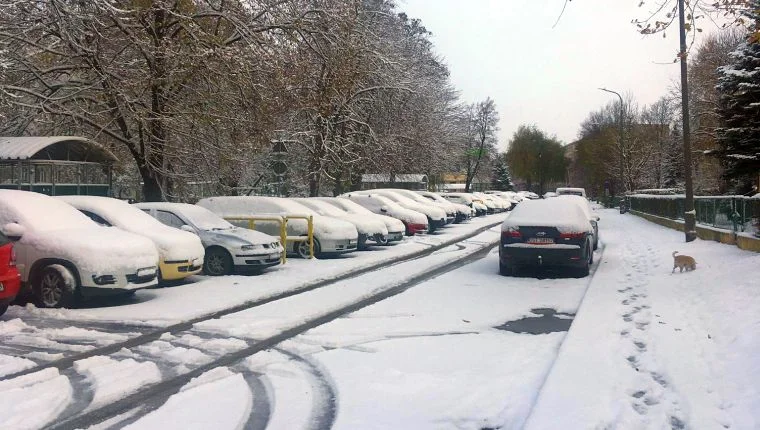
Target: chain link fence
{"x": 736, "y": 213}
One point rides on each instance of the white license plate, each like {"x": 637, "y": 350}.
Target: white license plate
{"x": 146, "y": 272}
{"x": 541, "y": 240}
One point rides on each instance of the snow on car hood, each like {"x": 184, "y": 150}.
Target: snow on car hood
{"x": 365, "y": 225}
{"x": 244, "y": 236}
{"x": 392, "y": 224}
{"x": 96, "y": 249}
{"x": 566, "y": 216}
{"x": 174, "y": 244}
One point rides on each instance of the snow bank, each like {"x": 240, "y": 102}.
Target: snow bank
{"x": 567, "y": 217}
{"x": 173, "y": 244}
{"x": 33, "y": 401}
{"x": 112, "y": 379}
{"x": 10, "y": 364}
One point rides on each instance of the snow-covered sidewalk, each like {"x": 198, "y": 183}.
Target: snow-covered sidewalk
{"x": 650, "y": 349}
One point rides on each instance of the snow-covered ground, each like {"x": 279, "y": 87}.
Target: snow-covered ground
{"x": 647, "y": 349}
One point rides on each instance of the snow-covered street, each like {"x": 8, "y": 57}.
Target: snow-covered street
{"x": 440, "y": 341}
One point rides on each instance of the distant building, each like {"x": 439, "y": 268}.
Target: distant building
{"x": 407, "y": 181}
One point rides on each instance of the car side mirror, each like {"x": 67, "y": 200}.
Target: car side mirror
{"x": 14, "y": 231}
{"x": 384, "y": 209}
{"x": 187, "y": 228}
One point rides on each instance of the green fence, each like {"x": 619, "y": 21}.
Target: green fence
{"x": 736, "y": 213}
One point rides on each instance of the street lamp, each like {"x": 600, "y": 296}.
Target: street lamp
{"x": 689, "y": 216}
{"x": 620, "y": 133}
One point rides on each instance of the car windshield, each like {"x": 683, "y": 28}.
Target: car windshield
{"x": 204, "y": 219}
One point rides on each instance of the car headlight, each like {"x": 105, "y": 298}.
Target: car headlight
{"x": 250, "y": 247}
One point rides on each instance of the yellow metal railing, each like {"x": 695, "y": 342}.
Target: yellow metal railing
{"x": 282, "y": 222}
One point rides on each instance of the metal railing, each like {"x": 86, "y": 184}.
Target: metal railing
{"x": 282, "y": 222}
{"x": 735, "y": 213}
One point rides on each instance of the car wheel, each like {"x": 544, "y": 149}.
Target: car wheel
{"x": 381, "y": 239}
{"x": 3, "y": 308}
{"x": 303, "y": 248}
{"x": 217, "y": 262}
{"x": 55, "y": 287}
{"x": 596, "y": 243}
{"x": 584, "y": 270}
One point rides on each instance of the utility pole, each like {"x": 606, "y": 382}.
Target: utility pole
{"x": 689, "y": 215}
{"x": 620, "y": 134}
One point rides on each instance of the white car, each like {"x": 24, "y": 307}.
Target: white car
{"x": 414, "y": 222}
{"x": 462, "y": 212}
{"x": 394, "y": 226}
{"x": 331, "y": 236}
{"x": 470, "y": 200}
{"x": 228, "y": 248}
{"x": 492, "y": 202}
{"x": 368, "y": 228}
{"x": 62, "y": 254}
{"x": 180, "y": 253}
{"x": 436, "y": 217}
{"x": 571, "y": 191}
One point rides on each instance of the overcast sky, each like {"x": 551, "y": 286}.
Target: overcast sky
{"x": 508, "y": 50}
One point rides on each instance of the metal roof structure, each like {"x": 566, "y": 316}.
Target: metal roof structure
{"x": 54, "y": 148}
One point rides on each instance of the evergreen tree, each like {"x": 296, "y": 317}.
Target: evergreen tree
{"x": 501, "y": 179}
{"x": 739, "y": 108}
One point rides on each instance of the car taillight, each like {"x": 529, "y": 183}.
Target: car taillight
{"x": 512, "y": 233}
{"x": 13, "y": 258}
{"x": 580, "y": 235}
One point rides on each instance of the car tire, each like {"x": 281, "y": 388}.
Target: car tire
{"x": 3, "y": 308}
{"x": 303, "y": 249}
{"x": 585, "y": 269}
{"x": 217, "y": 262}
{"x": 55, "y": 287}
{"x": 596, "y": 244}
{"x": 507, "y": 270}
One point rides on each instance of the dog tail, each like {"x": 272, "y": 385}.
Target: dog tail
{"x": 674, "y": 253}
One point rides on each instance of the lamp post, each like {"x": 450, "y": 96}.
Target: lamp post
{"x": 620, "y": 137}
{"x": 689, "y": 215}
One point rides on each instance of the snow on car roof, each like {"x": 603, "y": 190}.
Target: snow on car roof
{"x": 232, "y": 206}
{"x": 40, "y": 212}
{"x": 117, "y": 212}
{"x": 201, "y": 217}
{"x": 580, "y": 201}
{"x": 563, "y": 214}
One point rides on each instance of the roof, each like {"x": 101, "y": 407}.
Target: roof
{"x": 62, "y": 148}
{"x": 399, "y": 177}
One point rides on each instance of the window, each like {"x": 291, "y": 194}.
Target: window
{"x": 169, "y": 219}
{"x": 97, "y": 218}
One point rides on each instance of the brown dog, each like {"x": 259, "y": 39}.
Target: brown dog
{"x": 683, "y": 262}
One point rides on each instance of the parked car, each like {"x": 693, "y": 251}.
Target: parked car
{"x": 463, "y": 212}
{"x": 62, "y": 254}
{"x": 395, "y": 227}
{"x": 547, "y": 232}
{"x": 180, "y": 253}
{"x": 10, "y": 279}
{"x": 436, "y": 217}
{"x": 572, "y": 191}
{"x": 467, "y": 199}
{"x": 451, "y": 211}
{"x": 507, "y": 197}
{"x": 585, "y": 205}
{"x": 529, "y": 195}
{"x": 368, "y": 228}
{"x": 493, "y": 203}
{"x": 228, "y": 248}
{"x": 331, "y": 236}
{"x": 414, "y": 222}
{"x": 550, "y": 194}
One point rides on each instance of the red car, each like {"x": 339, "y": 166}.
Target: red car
{"x": 10, "y": 280}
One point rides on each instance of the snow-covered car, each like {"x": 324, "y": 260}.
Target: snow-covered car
{"x": 414, "y": 222}
{"x": 228, "y": 248}
{"x": 546, "y": 232}
{"x": 550, "y": 194}
{"x": 528, "y": 195}
{"x": 10, "y": 279}
{"x": 368, "y": 228}
{"x": 451, "y": 211}
{"x": 463, "y": 212}
{"x": 562, "y": 191}
{"x": 505, "y": 196}
{"x": 62, "y": 254}
{"x": 180, "y": 253}
{"x": 585, "y": 205}
{"x": 436, "y": 217}
{"x": 493, "y": 203}
{"x": 331, "y": 236}
{"x": 395, "y": 227}
{"x": 467, "y": 199}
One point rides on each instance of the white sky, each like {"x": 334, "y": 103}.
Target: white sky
{"x": 508, "y": 50}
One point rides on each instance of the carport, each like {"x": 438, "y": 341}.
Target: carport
{"x": 55, "y": 165}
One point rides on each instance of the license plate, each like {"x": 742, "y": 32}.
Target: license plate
{"x": 146, "y": 272}
{"x": 541, "y": 240}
